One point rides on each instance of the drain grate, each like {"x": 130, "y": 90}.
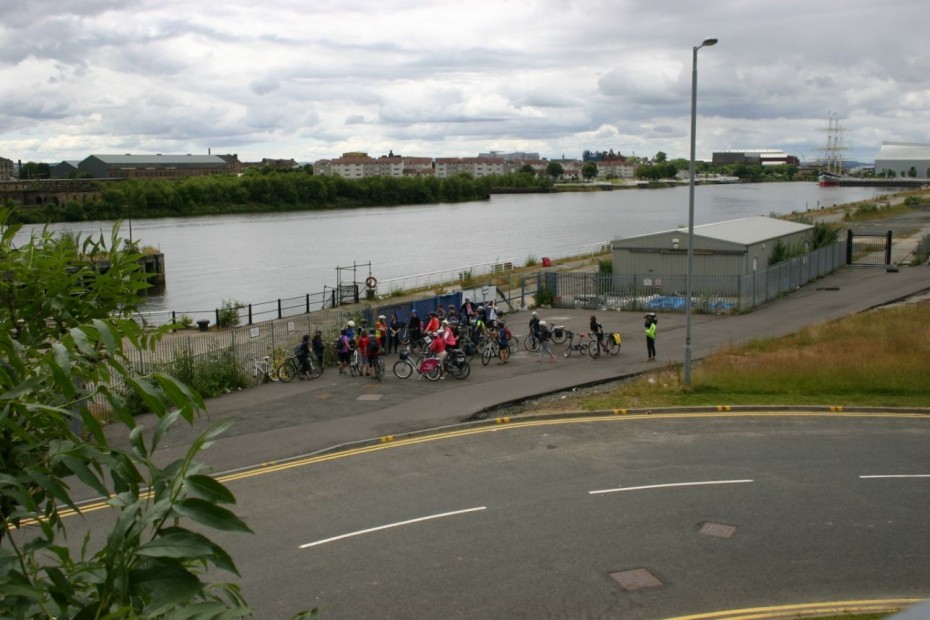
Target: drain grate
{"x": 718, "y": 530}
{"x": 636, "y": 579}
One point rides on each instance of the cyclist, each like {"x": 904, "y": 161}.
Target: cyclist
{"x": 343, "y": 350}
{"x": 414, "y": 328}
{"x": 350, "y": 331}
{"x": 597, "y": 330}
{"x": 302, "y": 351}
{"x": 650, "y": 323}
{"x": 362, "y": 345}
{"x": 318, "y": 347}
{"x": 544, "y": 335}
{"x": 373, "y": 352}
{"x": 438, "y": 347}
{"x": 534, "y": 324}
{"x": 433, "y": 324}
{"x": 503, "y": 342}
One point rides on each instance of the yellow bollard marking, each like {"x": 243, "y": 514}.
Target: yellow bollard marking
{"x": 387, "y": 439}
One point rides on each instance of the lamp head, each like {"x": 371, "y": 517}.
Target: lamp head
{"x": 709, "y": 42}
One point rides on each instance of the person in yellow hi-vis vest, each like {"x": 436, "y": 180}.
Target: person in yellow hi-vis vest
{"x": 651, "y": 322}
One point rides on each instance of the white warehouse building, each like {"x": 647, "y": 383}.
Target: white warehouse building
{"x": 904, "y": 159}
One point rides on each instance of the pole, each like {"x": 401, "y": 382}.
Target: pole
{"x": 689, "y": 289}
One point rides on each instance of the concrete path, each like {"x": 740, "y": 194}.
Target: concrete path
{"x": 280, "y": 421}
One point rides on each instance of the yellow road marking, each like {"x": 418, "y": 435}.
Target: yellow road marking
{"x": 390, "y": 441}
{"x": 809, "y": 609}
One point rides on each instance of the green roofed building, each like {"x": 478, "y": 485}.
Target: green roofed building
{"x": 153, "y": 166}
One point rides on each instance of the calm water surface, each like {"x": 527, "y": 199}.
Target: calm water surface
{"x": 258, "y": 258}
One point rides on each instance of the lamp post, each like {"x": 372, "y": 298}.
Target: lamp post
{"x": 706, "y": 43}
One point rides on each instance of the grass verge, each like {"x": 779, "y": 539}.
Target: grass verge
{"x": 879, "y": 358}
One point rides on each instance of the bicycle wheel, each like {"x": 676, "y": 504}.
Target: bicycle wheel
{"x": 316, "y": 369}
{"x": 531, "y": 343}
{"x": 459, "y": 370}
{"x": 403, "y": 369}
{"x": 434, "y": 374}
{"x": 594, "y": 349}
{"x": 379, "y": 368}
{"x": 288, "y": 369}
{"x": 355, "y": 368}
{"x": 486, "y": 356}
{"x": 559, "y": 335}
{"x": 514, "y": 343}
{"x": 613, "y": 347}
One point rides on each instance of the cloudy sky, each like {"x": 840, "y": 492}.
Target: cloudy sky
{"x": 311, "y": 79}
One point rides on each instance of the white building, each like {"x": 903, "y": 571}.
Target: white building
{"x": 904, "y": 158}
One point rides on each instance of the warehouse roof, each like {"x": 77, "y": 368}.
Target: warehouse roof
{"x": 746, "y": 231}
{"x": 750, "y": 230}
{"x": 139, "y": 160}
{"x": 903, "y": 150}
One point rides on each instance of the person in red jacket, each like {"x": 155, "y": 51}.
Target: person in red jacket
{"x": 438, "y": 348}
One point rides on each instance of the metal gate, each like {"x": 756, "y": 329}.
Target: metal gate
{"x": 868, "y": 248}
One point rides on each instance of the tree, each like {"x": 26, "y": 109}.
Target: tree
{"x": 33, "y": 170}
{"x": 589, "y": 171}
{"x": 554, "y": 169}
{"x": 527, "y": 169}
{"x": 64, "y": 328}
{"x": 660, "y": 157}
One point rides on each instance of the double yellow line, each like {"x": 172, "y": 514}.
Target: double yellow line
{"x": 811, "y": 610}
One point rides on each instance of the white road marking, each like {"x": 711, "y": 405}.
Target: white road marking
{"x": 665, "y": 486}
{"x": 390, "y": 525}
{"x": 900, "y": 476}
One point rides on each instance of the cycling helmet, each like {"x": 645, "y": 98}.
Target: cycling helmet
{"x": 319, "y": 332}
{"x": 404, "y": 355}
{"x": 445, "y": 321}
{"x": 542, "y": 323}
{"x": 535, "y": 313}
{"x": 351, "y": 323}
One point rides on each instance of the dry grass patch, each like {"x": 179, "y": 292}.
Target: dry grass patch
{"x": 880, "y": 358}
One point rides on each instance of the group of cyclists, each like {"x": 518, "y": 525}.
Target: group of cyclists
{"x": 443, "y": 330}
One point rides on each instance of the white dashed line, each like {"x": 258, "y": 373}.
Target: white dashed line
{"x": 899, "y": 476}
{"x": 665, "y": 486}
{"x": 390, "y": 525}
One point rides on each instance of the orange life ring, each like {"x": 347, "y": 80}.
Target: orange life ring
{"x": 371, "y": 282}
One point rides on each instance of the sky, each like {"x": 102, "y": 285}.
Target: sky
{"x": 312, "y": 79}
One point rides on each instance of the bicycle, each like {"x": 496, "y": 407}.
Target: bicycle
{"x": 559, "y": 334}
{"x": 263, "y": 366}
{"x": 612, "y": 342}
{"x": 424, "y": 367}
{"x": 456, "y": 364}
{"x": 291, "y": 368}
{"x": 581, "y": 347}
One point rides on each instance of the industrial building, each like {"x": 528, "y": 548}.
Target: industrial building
{"x": 904, "y": 159}
{"x": 153, "y": 166}
{"x": 733, "y": 248}
{"x": 754, "y": 157}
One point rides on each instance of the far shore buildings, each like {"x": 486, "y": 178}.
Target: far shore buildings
{"x": 754, "y": 157}
{"x": 359, "y": 165}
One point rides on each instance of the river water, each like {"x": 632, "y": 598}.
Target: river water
{"x": 263, "y": 257}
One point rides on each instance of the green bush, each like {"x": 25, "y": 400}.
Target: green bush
{"x": 545, "y": 296}
{"x": 228, "y": 315}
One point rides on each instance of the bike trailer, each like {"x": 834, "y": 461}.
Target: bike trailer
{"x": 558, "y": 331}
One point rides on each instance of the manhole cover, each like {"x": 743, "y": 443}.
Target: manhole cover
{"x": 719, "y": 530}
{"x": 636, "y": 579}
{"x": 370, "y": 397}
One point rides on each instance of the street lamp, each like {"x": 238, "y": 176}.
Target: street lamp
{"x": 706, "y": 43}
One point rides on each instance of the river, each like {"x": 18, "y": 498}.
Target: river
{"x": 263, "y": 257}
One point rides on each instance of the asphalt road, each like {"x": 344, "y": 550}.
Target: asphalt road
{"x": 723, "y": 510}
